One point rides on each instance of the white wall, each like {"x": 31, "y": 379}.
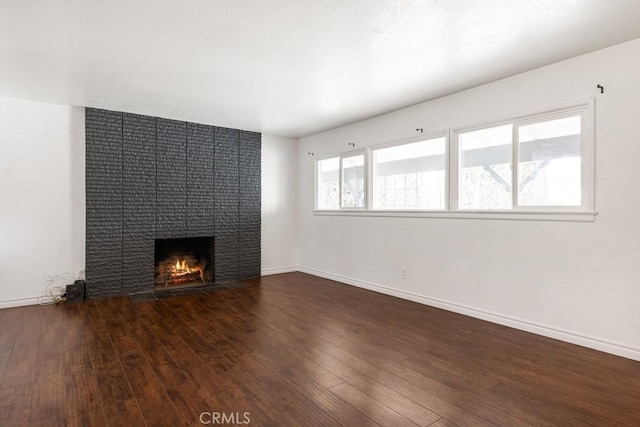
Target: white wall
{"x": 42, "y": 214}
{"x": 575, "y": 281}
{"x": 279, "y": 205}
{"x": 42, "y": 199}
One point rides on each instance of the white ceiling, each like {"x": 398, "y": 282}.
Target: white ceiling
{"x": 287, "y": 67}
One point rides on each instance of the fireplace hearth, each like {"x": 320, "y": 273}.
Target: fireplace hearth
{"x": 183, "y": 262}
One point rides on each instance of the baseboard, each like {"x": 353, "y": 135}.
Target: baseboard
{"x": 559, "y": 334}
{"x": 278, "y": 270}
{"x": 19, "y": 302}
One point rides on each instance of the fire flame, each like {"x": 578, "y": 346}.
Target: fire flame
{"x": 182, "y": 268}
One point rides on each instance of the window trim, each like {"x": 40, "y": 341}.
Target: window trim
{"x": 315, "y": 187}
{"x": 340, "y": 157}
{"x": 587, "y": 158}
{"x": 587, "y": 155}
{"x": 423, "y": 137}
{"x": 588, "y": 216}
{"x": 346, "y": 155}
{"x": 586, "y": 212}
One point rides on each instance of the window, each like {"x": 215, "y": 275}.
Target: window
{"x": 544, "y": 158}
{"x": 485, "y": 168}
{"x": 340, "y": 182}
{"x": 353, "y": 190}
{"x": 526, "y": 168}
{"x": 549, "y": 163}
{"x": 328, "y": 180}
{"x": 410, "y": 175}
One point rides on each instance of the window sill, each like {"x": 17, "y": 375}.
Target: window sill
{"x": 569, "y": 216}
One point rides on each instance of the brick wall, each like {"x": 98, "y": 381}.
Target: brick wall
{"x": 149, "y": 178}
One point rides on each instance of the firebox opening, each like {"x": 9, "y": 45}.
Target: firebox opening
{"x": 183, "y": 262}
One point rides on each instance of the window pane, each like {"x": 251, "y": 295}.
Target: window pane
{"x": 328, "y": 178}
{"x": 410, "y": 176}
{"x": 485, "y": 168}
{"x": 549, "y": 163}
{"x": 353, "y": 182}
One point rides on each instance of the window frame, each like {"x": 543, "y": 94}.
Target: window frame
{"x": 315, "y": 187}
{"x": 424, "y": 137}
{"x": 455, "y": 169}
{"x": 585, "y": 212}
{"x": 346, "y": 155}
{"x": 587, "y": 160}
{"x": 340, "y": 157}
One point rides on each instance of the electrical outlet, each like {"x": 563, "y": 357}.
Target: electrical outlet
{"x": 81, "y": 274}
{"x": 404, "y": 272}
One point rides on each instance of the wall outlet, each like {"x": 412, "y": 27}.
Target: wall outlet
{"x": 403, "y": 270}
{"x": 81, "y": 274}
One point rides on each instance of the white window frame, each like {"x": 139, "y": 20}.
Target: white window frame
{"x": 587, "y": 158}
{"x": 586, "y": 212}
{"x": 362, "y": 152}
{"x": 441, "y": 134}
{"x": 340, "y": 158}
{"x": 315, "y": 187}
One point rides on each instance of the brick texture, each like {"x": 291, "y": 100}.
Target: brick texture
{"x": 139, "y": 202}
{"x": 199, "y": 180}
{"x": 226, "y": 202}
{"x": 171, "y": 149}
{"x": 103, "y": 202}
{"x": 149, "y": 178}
{"x": 250, "y": 204}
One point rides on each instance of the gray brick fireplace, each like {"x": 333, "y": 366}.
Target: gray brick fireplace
{"x": 150, "y": 178}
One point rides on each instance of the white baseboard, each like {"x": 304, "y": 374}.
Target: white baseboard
{"x": 278, "y": 270}
{"x": 547, "y": 331}
{"x": 19, "y": 302}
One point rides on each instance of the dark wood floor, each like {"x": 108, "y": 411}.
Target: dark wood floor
{"x": 296, "y": 350}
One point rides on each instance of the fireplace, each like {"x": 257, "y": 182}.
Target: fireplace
{"x": 183, "y": 262}
{"x": 151, "y": 178}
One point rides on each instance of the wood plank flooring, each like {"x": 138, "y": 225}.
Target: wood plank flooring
{"x": 297, "y": 350}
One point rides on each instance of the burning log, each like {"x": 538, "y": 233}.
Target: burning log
{"x": 182, "y": 272}
{"x": 190, "y": 277}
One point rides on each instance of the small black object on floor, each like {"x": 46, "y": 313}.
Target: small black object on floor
{"x": 75, "y": 291}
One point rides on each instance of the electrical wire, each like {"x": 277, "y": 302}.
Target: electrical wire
{"x": 55, "y": 293}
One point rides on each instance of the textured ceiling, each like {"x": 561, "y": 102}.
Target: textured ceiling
{"x": 287, "y": 67}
